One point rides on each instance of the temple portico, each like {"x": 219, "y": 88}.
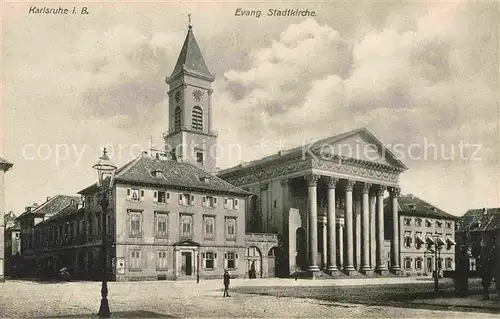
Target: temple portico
{"x": 328, "y": 211}
{"x": 333, "y": 229}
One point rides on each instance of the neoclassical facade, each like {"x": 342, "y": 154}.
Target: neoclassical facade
{"x": 327, "y": 208}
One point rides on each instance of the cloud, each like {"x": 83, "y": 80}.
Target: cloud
{"x": 417, "y": 78}
{"x": 125, "y": 72}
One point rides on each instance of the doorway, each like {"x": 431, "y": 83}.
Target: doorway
{"x": 186, "y": 266}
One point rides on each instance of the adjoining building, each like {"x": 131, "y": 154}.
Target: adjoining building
{"x": 171, "y": 220}
{"x": 12, "y": 244}
{"x": 421, "y": 227}
{"x": 479, "y": 226}
{"x": 28, "y": 220}
{"x": 4, "y": 167}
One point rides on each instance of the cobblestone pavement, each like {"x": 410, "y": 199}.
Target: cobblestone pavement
{"x": 181, "y": 299}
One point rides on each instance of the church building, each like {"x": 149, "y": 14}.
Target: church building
{"x": 326, "y": 201}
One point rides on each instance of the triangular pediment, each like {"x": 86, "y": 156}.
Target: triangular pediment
{"x": 359, "y": 144}
{"x": 186, "y": 242}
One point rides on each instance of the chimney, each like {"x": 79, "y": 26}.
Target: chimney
{"x": 410, "y": 196}
{"x": 27, "y": 208}
{"x": 485, "y": 211}
{"x": 48, "y": 197}
{"x": 72, "y": 201}
{"x": 35, "y": 204}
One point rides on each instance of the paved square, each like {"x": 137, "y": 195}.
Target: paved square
{"x": 189, "y": 299}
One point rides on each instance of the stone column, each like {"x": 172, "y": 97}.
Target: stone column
{"x": 283, "y": 227}
{"x": 349, "y": 265}
{"x": 381, "y": 267}
{"x": 365, "y": 227}
{"x": 332, "y": 245}
{"x": 312, "y": 181}
{"x": 324, "y": 239}
{"x": 373, "y": 218}
{"x": 264, "y": 225}
{"x": 357, "y": 227}
{"x": 341, "y": 246}
{"x": 395, "y": 192}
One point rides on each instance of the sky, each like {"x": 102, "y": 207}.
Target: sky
{"x": 423, "y": 75}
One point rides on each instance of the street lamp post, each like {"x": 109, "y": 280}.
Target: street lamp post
{"x": 438, "y": 245}
{"x": 105, "y": 173}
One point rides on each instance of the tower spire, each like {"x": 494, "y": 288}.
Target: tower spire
{"x": 189, "y": 21}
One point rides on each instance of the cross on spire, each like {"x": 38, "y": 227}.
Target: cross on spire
{"x": 189, "y": 19}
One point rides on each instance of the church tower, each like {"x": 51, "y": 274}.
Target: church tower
{"x": 191, "y": 137}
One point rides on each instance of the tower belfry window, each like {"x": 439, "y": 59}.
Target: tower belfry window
{"x": 197, "y": 118}
{"x": 177, "y": 119}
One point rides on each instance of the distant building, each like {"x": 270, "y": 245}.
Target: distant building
{"x": 421, "y": 224}
{"x": 12, "y": 244}
{"x": 4, "y": 167}
{"x": 28, "y": 220}
{"x": 480, "y": 226}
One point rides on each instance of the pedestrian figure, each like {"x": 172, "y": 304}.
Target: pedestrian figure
{"x": 462, "y": 272}
{"x": 227, "y": 279}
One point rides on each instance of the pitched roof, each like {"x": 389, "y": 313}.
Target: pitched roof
{"x": 319, "y": 144}
{"x": 5, "y": 165}
{"x": 414, "y": 206}
{"x": 174, "y": 174}
{"x": 190, "y": 58}
{"x": 69, "y": 210}
{"x": 480, "y": 219}
{"x": 51, "y": 206}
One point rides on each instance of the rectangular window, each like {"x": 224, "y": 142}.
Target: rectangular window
{"x": 230, "y": 261}
{"x": 209, "y": 260}
{"x": 418, "y": 222}
{"x": 161, "y": 197}
{"x": 135, "y": 260}
{"x": 448, "y": 225}
{"x": 161, "y": 260}
{"x": 161, "y": 225}
{"x": 199, "y": 158}
{"x": 209, "y": 201}
{"x": 439, "y": 224}
{"x": 230, "y": 203}
{"x": 408, "y": 239}
{"x": 230, "y": 228}
{"x": 134, "y": 194}
{"x": 418, "y": 263}
{"x": 135, "y": 219}
{"x": 408, "y": 263}
{"x": 449, "y": 263}
{"x": 428, "y": 223}
{"x": 419, "y": 240}
{"x": 209, "y": 227}
{"x": 186, "y": 226}
{"x": 407, "y": 221}
{"x": 186, "y": 199}
{"x": 440, "y": 263}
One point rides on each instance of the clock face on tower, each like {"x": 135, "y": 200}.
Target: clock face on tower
{"x": 198, "y": 95}
{"x": 177, "y": 96}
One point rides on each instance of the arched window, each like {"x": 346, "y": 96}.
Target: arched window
{"x": 177, "y": 119}
{"x": 197, "y": 118}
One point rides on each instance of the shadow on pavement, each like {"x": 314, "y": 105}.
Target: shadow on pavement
{"x": 120, "y": 314}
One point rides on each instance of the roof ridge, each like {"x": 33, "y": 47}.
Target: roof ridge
{"x": 45, "y": 203}
{"x": 125, "y": 168}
